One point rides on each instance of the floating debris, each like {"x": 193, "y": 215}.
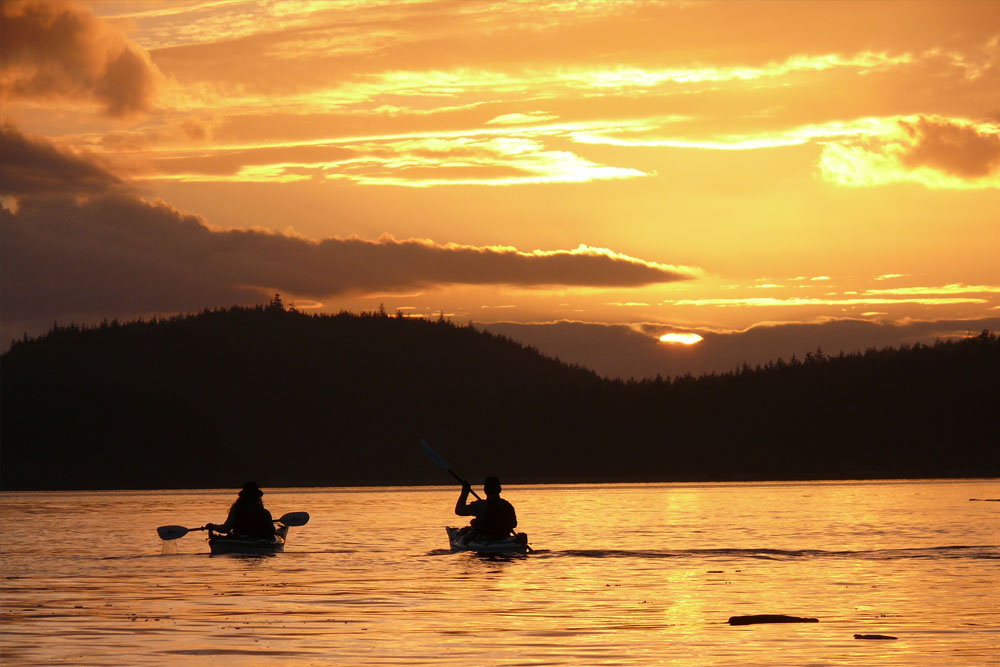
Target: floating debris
{"x": 874, "y": 637}
{"x": 769, "y": 618}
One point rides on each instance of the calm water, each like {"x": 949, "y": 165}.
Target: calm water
{"x": 623, "y": 575}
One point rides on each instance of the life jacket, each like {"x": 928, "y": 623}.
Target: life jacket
{"x": 499, "y": 520}
{"x": 252, "y": 520}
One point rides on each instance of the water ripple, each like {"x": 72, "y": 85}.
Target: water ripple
{"x": 925, "y": 553}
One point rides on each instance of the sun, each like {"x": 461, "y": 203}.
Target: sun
{"x": 681, "y": 338}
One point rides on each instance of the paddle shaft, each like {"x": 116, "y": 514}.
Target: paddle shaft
{"x": 471, "y": 490}
{"x": 177, "y": 532}
{"x": 441, "y": 463}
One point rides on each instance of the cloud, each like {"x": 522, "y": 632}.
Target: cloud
{"x": 495, "y": 156}
{"x": 633, "y": 351}
{"x": 964, "y": 150}
{"x": 54, "y": 50}
{"x": 936, "y": 152}
{"x": 522, "y": 118}
{"x": 760, "y": 302}
{"x": 932, "y": 151}
{"x": 953, "y": 288}
{"x": 38, "y": 168}
{"x": 110, "y": 253}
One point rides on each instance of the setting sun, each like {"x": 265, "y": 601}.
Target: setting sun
{"x": 681, "y": 338}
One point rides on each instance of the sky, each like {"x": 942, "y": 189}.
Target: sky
{"x": 643, "y": 188}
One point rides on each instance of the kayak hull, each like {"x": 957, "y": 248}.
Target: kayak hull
{"x": 222, "y": 544}
{"x": 510, "y": 545}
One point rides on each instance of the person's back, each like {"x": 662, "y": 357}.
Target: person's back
{"x": 247, "y": 516}
{"x": 495, "y": 518}
{"x": 252, "y": 519}
{"x": 499, "y": 520}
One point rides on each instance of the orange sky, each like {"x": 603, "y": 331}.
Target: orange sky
{"x": 690, "y": 166}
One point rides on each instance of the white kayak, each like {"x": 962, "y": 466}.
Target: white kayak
{"x": 466, "y": 541}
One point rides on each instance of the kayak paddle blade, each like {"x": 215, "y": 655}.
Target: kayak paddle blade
{"x": 171, "y": 532}
{"x": 295, "y": 519}
{"x": 433, "y": 456}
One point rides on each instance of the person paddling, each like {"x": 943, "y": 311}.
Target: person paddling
{"x": 247, "y": 516}
{"x": 494, "y": 519}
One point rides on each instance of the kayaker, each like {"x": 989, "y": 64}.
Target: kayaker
{"x": 247, "y": 516}
{"x": 494, "y": 519}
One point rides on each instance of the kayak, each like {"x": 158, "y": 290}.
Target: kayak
{"x": 226, "y": 544}
{"x": 514, "y": 544}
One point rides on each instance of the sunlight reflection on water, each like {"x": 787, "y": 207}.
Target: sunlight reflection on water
{"x": 623, "y": 575}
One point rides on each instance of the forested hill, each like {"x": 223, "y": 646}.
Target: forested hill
{"x": 291, "y": 399}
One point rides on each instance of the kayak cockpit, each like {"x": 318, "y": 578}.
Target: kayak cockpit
{"x": 237, "y": 544}
{"x": 464, "y": 540}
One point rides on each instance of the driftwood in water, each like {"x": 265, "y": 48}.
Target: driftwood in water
{"x": 769, "y": 618}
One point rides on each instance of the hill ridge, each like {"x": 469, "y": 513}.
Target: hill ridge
{"x": 210, "y": 399}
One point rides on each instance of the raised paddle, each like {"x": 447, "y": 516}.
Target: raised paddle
{"x": 176, "y": 532}
{"x": 441, "y": 463}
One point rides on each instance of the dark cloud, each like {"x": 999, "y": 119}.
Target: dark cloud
{"x": 37, "y": 168}
{"x": 635, "y": 352}
{"x": 56, "y": 50}
{"x": 957, "y": 149}
{"x": 112, "y": 254}
{"x": 115, "y": 253}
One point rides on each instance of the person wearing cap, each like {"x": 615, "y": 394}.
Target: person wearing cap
{"x": 494, "y": 519}
{"x": 247, "y": 516}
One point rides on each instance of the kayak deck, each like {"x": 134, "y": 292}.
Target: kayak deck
{"x": 469, "y": 542}
{"x": 223, "y": 544}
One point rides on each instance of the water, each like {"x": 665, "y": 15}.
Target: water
{"x": 623, "y": 575}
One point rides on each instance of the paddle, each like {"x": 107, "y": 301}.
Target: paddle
{"x": 176, "y": 532}
{"x": 441, "y": 463}
{"x": 294, "y": 519}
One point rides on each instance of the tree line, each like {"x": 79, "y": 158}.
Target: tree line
{"x": 293, "y": 399}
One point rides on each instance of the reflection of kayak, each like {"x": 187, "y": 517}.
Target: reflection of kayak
{"x": 224, "y": 544}
{"x": 470, "y": 542}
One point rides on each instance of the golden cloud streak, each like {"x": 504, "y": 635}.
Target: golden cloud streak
{"x": 418, "y": 160}
{"x": 867, "y": 151}
{"x": 521, "y": 118}
{"x": 772, "y": 302}
{"x": 863, "y": 152}
{"x": 539, "y": 83}
{"x": 623, "y": 78}
{"x": 954, "y": 288}
{"x": 797, "y": 136}
{"x": 175, "y": 10}
{"x": 582, "y": 250}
